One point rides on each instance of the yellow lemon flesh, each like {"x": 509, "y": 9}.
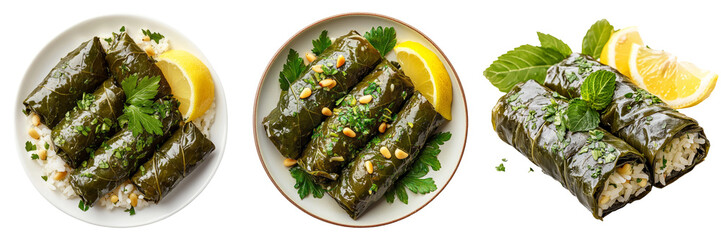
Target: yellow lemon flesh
{"x": 618, "y": 49}
{"x": 428, "y": 74}
{"x": 190, "y": 81}
{"x": 679, "y": 84}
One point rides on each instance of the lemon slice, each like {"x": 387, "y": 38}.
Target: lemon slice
{"x": 618, "y": 48}
{"x": 190, "y": 82}
{"x": 679, "y": 84}
{"x": 428, "y": 75}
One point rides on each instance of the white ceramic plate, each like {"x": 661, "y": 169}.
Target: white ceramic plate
{"x": 186, "y": 191}
{"x": 326, "y": 208}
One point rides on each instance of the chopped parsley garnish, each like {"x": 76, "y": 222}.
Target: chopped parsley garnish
{"x": 153, "y": 35}
{"x": 30, "y": 146}
{"x": 122, "y": 29}
{"x": 139, "y": 109}
{"x": 413, "y": 180}
{"x": 383, "y": 39}
{"x": 320, "y": 44}
{"x": 45, "y": 178}
{"x": 304, "y": 183}
{"x": 642, "y": 95}
{"x": 34, "y": 156}
{"x": 292, "y": 70}
{"x": 531, "y": 170}
{"x": 47, "y": 146}
{"x": 83, "y": 206}
{"x": 501, "y": 168}
{"x": 131, "y": 210}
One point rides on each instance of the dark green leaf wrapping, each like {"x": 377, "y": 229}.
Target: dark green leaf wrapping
{"x": 116, "y": 163}
{"x": 537, "y": 139}
{"x": 100, "y": 120}
{"x": 81, "y": 71}
{"x": 626, "y": 118}
{"x": 291, "y": 123}
{"x": 392, "y": 88}
{"x": 125, "y": 57}
{"x": 173, "y": 161}
{"x": 352, "y": 190}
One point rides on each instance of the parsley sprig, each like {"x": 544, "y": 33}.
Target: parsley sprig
{"x": 320, "y": 44}
{"x": 413, "y": 180}
{"x": 292, "y": 70}
{"x": 304, "y": 183}
{"x": 383, "y": 39}
{"x": 139, "y": 109}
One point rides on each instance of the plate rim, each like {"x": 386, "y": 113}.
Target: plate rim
{"x": 277, "y": 54}
{"x": 219, "y": 95}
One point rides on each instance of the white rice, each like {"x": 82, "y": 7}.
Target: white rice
{"x": 55, "y": 164}
{"x": 679, "y": 154}
{"x": 621, "y": 186}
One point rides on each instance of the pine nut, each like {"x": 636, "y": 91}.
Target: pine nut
{"x": 382, "y": 127}
{"x": 60, "y": 175}
{"x": 289, "y": 162}
{"x": 43, "y": 154}
{"x": 146, "y": 38}
{"x": 327, "y": 112}
{"x": 625, "y": 170}
{"x": 643, "y": 182}
{"x": 35, "y": 119}
{"x": 385, "y": 152}
{"x": 329, "y": 83}
{"x": 114, "y": 198}
{"x": 349, "y": 132}
{"x": 400, "y": 154}
{"x": 305, "y": 93}
{"x": 604, "y": 199}
{"x": 369, "y": 167}
{"x": 33, "y": 133}
{"x": 133, "y": 199}
{"x": 340, "y": 62}
{"x": 310, "y": 57}
{"x": 365, "y": 99}
{"x": 149, "y": 50}
{"x": 337, "y": 159}
{"x": 317, "y": 68}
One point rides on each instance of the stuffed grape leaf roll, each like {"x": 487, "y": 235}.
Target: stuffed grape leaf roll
{"x": 81, "y": 71}
{"x": 92, "y": 121}
{"x": 126, "y": 58}
{"x": 290, "y": 125}
{"x": 331, "y": 147}
{"x": 173, "y": 161}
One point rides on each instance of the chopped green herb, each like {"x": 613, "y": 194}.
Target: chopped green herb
{"x": 530, "y": 170}
{"x": 34, "y": 156}
{"x": 45, "y": 178}
{"x": 83, "y": 206}
{"x": 131, "y": 210}
{"x": 501, "y": 168}
{"x": 30, "y": 147}
{"x": 153, "y": 35}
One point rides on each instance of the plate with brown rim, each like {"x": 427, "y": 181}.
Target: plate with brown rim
{"x": 326, "y": 209}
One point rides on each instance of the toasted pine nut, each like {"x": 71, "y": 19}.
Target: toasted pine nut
{"x": 114, "y": 198}
{"x": 643, "y": 182}
{"x": 43, "y": 154}
{"x": 625, "y": 170}
{"x": 305, "y": 93}
{"x": 365, "y": 99}
{"x": 145, "y": 39}
{"x": 385, "y": 152}
{"x": 149, "y": 50}
{"x": 348, "y": 132}
{"x": 310, "y": 57}
{"x": 382, "y": 127}
{"x": 340, "y": 62}
{"x": 35, "y": 119}
{"x": 327, "y": 112}
{"x": 400, "y": 154}
{"x": 604, "y": 199}
{"x": 289, "y": 162}
{"x": 369, "y": 167}
{"x": 337, "y": 159}
{"x": 59, "y": 176}
{"x": 329, "y": 83}
{"x": 33, "y": 133}
{"x": 133, "y": 199}
{"x": 317, "y": 68}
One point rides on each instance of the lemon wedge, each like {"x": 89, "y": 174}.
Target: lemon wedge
{"x": 428, "y": 74}
{"x": 190, "y": 81}
{"x": 679, "y": 84}
{"x": 618, "y": 48}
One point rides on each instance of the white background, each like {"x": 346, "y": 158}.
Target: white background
{"x": 241, "y": 202}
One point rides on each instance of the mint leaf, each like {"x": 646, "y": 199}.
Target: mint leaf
{"x": 548, "y": 41}
{"x": 304, "y": 183}
{"x": 596, "y": 37}
{"x": 383, "y": 39}
{"x": 320, "y": 44}
{"x": 412, "y": 180}
{"x": 521, "y": 64}
{"x": 153, "y": 35}
{"x": 581, "y": 116}
{"x": 598, "y": 89}
{"x": 292, "y": 70}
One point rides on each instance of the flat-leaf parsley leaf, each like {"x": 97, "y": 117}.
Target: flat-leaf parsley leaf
{"x": 304, "y": 183}
{"x": 320, "y": 44}
{"x": 383, "y": 39}
{"x": 413, "y": 181}
{"x": 292, "y": 69}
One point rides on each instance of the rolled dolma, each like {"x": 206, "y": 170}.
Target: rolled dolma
{"x": 330, "y": 149}
{"x": 672, "y": 141}
{"x": 117, "y": 159}
{"x": 290, "y": 125}
{"x": 175, "y": 159}
{"x": 602, "y": 171}
{"x": 81, "y": 71}
{"x": 92, "y": 121}
{"x": 126, "y": 58}
{"x": 357, "y": 188}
